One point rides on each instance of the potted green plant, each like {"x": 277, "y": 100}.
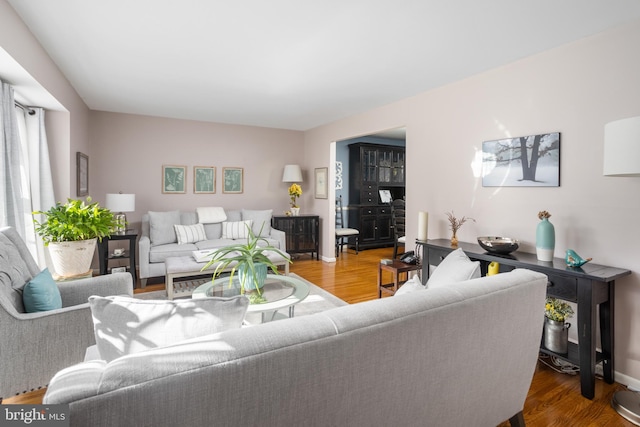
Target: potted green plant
{"x": 70, "y": 231}
{"x": 251, "y": 263}
{"x": 556, "y": 331}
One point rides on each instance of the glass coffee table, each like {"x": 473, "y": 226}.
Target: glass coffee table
{"x": 279, "y": 292}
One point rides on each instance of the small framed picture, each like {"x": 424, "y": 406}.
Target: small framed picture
{"x": 321, "y": 188}
{"x": 232, "y": 180}
{"x": 173, "y": 179}
{"x": 204, "y": 179}
{"x": 82, "y": 174}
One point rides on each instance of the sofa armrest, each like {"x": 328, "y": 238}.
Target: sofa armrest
{"x": 144, "y": 250}
{"x": 78, "y": 291}
{"x": 281, "y": 237}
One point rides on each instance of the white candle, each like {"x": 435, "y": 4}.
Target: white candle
{"x": 423, "y": 225}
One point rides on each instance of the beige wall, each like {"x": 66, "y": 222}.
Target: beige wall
{"x": 68, "y": 128}
{"x": 573, "y": 90}
{"x": 128, "y": 152}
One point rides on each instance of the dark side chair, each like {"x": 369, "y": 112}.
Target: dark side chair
{"x": 399, "y": 224}
{"x": 343, "y": 233}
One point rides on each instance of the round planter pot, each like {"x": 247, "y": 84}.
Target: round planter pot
{"x": 72, "y": 258}
{"x": 251, "y": 282}
{"x": 556, "y": 335}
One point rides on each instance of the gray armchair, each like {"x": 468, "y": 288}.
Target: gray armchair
{"x": 37, "y": 345}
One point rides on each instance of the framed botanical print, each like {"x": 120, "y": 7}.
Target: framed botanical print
{"x": 232, "y": 180}
{"x": 173, "y": 179}
{"x": 204, "y": 179}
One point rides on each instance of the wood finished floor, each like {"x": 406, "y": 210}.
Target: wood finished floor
{"x": 554, "y": 399}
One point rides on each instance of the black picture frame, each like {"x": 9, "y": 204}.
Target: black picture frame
{"x": 82, "y": 174}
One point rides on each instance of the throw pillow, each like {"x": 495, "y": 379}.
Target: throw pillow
{"x": 211, "y": 215}
{"x": 236, "y": 229}
{"x": 124, "y": 325}
{"x": 190, "y": 233}
{"x": 411, "y": 285}
{"x": 41, "y": 293}
{"x": 161, "y": 229}
{"x": 456, "y": 267}
{"x": 261, "y": 221}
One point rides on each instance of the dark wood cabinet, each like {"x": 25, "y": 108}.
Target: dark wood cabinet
{"x": 374, "y": 167}
{"x": 303, "y": 233}
{"x": 104, "y": 255}
{"x": 591, "y": 287}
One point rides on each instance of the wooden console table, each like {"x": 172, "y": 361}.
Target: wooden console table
{"x": 590, "y": 286}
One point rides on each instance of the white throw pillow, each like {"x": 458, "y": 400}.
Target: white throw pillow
{"x": 211, "y": 215}
{"x": 124, "y": 325}
{"x": 412, "y": 285}
{"x": 236, "y": 229}
{"x": 456, "y": 267}
{"x": 190, "y": 233}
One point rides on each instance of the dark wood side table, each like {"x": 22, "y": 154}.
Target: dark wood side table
{"x": 396, "y": 268}
{"x": 303, "y": 233}
{"x": 591, "y": 286}
{"x": 105, "y": 255}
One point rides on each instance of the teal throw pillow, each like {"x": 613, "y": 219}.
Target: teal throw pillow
{"x": 41, "y": 293}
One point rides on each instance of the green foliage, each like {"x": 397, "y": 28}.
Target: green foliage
{"x": 74, "y": 220}
{"x": 248, "y": 254}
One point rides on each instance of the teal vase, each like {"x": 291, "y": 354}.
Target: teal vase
{"x": 250, "y": 280}
{"x": 545, "y": 240}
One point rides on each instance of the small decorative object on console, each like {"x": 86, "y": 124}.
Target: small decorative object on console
{"x": 454, "y": 225}
{"x": 498, "y": 245}
{"x": 574, "y": 260}
{"x": 545, "y": 237}
{"x": 556, "y": 331}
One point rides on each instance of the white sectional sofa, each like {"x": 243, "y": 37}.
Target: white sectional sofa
{"x": 459, "y": 354}
{"x": 159, "y": 241}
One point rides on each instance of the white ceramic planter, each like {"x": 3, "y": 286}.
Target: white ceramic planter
{"x": 72, "y": 258}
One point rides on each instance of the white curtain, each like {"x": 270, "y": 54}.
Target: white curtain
{"x": 30, "y": 185}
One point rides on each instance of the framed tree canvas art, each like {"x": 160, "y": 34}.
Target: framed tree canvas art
{"x": 204, "y": 179}
{"x": 527, "y": 161}
{"x": 173, "y": 179}
{"x": 232, "y": 180}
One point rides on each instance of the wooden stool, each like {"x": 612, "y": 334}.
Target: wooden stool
{"x": 396, "y": 268}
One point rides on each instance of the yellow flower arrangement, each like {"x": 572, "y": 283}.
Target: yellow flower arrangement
{"x": 557, "y": 310}
{"x": 295, "y": 191}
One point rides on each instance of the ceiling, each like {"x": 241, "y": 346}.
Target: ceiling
{"x": 293, "y": 64}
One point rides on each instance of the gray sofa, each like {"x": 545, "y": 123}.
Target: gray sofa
{"x": 157, "y": 243}
{"x": 37, "y": 345}
{"x": 457, "y": 355}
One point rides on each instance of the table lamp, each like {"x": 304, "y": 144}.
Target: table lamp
{"x": 121, "y": 203}
{"x": 292, "y": 173}
{"x": 622, "y": 158}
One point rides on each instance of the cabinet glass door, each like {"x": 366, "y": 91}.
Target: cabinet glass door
{"x": 369, "y": 164}
{"x": 385, "y": 158}
{"x": 397, "y": 167}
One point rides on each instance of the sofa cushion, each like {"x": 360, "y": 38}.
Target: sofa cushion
{"x": 161, "y": 229}
{"x": 213, "y": 231}
{"x": 124, "y": 325}
{"x": 211, "y": 215}
{"x": 236, "y": 229}
{"x": 234, "y": 215}
{"x": 456, "y": 267}
{"x": 189, "y": 233}
{"x": 162, "y": 252}
{"x": 41, "y": 293}
{"x": 15, "y": 273}
{"x": 261, "y": 221}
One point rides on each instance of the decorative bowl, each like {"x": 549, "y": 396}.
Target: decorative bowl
{"x": 498, "y": 245}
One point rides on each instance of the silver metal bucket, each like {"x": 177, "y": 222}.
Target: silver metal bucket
{"x": 556, "y": 335}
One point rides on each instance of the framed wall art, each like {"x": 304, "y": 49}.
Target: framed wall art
{"x": 173, "y": 179}
{"x": 82, "y": 174}
{"x": 321, "y": 185}
{"x": 526, "y": 161}
{"x": 204, "y": 179}
{"x": 232, "y": 180}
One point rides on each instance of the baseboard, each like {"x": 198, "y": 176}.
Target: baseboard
{"x": 631, "y": 383}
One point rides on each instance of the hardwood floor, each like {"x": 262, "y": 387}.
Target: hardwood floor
{"x": 553, "y": 400}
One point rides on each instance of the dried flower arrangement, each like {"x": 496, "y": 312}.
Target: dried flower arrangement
{"x": 543, "y": 214}
{"x": 455, "y": 224}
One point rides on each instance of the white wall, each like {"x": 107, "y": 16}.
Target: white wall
{"x": 573, "y": 90}
{"x": 128, "y": 152}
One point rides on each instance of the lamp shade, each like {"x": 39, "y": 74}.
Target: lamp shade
{"x": 121, "y": 202}
{"x": 292, "y": 173}
{"x": 622, "y": 147}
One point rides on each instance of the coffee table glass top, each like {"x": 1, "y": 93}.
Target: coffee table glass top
{"x": 279, "y": 291}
